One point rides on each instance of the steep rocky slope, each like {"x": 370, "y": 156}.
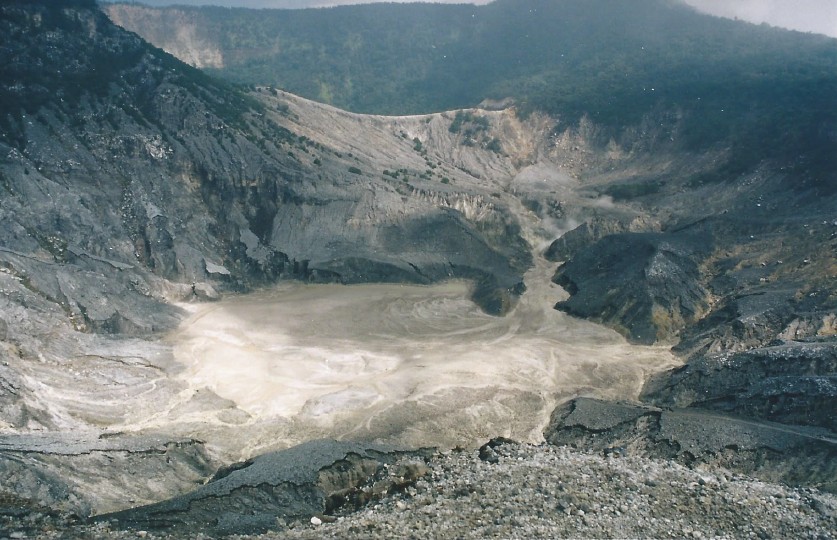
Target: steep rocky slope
{"x": 130, "y": 184}
{"x": 743, "y": 265}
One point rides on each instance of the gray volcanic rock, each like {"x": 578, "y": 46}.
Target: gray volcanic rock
{"x": 762, "y": 282}
{"x": 775, "y": 452}
{"x": 758, "y": 316}
{"x": 120, "y": 469}
{"x": 645, "y": 285}
{"x": 794, "y": 383}
{"x": 568, "y": 244}
{"x": 532, "y": 491}
{"x": 295, "y": 484}
{"x": 160, "y": 172}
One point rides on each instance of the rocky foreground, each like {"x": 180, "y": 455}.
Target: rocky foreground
{"x": 511, "y": 490}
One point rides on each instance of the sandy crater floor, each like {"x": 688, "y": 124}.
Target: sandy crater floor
{"x": 412, "y": 365}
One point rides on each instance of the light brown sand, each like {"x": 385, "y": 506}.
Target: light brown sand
{"x": 405, "y": 364}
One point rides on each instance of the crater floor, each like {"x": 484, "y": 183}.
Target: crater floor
{"x": 409, "y": 365}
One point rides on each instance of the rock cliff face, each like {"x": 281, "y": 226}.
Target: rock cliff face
{"x": 311, "y": 479}
{"x": 760, "y": 246}
{"x": 791, "y": 382}
{"x": 196, "y": 183}
{"x": 773, "y": 452}
{"x": 738, "y": 275}
{"x": 647, "y": 284}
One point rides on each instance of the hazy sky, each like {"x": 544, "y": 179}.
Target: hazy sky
{"x": 806, "y": 15}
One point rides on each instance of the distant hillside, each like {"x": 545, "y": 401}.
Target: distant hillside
{"x": 764, "y": 91}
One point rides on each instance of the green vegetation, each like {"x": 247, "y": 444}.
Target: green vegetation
{"x": 494, "y": 145}
{"x": 110, "y": 65}
{"x": 474, "y": 130}
{"x": 355, "y": 170}
{"x": 473, "y": 123}
{"x": 763, "y": 91}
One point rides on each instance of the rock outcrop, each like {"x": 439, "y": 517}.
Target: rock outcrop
{"x": 771, "y": 451}
{"x": 118, "y": 470}
{"x": 158, "y": 185}
{"x": 647, "y": 286}
{"x": 791, "y": 382}
{"x": 304, "y": 482}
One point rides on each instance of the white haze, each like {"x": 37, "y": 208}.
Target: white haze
{"x": 819, "y": 16}
{"x": 287, "y": 4}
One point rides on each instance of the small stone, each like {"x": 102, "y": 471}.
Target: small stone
{"x": 316, "y": 521}
{"x": 142, "y": 534}
{"x": 205, "y": 291}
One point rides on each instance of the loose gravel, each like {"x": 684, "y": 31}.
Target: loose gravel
{"x": 527, "y": 491}
{"x": 552, "y": 492}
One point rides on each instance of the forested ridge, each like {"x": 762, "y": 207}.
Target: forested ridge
{"x": 762, "y": 90}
